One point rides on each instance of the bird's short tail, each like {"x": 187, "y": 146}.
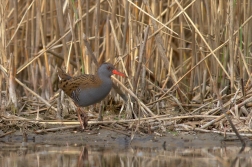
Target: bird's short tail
{"x": 63, "y": 75}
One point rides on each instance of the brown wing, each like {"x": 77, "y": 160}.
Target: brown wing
{"x": 73, "y": 85}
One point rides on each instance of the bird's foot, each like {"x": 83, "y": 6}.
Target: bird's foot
{"x": 84, "y": 120}
{"x": 100, "y": 118}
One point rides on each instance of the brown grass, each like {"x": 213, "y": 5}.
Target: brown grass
{"x": 179, "y": 56}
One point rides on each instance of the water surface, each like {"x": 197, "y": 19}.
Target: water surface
{"x": 45, "y": 155}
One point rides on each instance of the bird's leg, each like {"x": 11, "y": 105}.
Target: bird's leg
{"x": 82, "y": 117}
{"x": 79, "y": 117}
{"x": 100, "y": 117}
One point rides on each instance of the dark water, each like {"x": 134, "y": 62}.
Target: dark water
{"x": 37, "y": 155}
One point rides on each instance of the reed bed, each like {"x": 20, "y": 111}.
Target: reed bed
{"x": 188, "y": 63}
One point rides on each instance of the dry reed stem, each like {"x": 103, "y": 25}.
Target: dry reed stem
{"x": 223, "y": 115}
{"x": 35, "y": 94}
{"x": 187, "y": 127}
{"x": 55, "y": 129}
{"x": 151, "y": 16}
{"x": 12, "y": 85}
{"x": 90, "y": 53}
{"x": 203, "y": 39}
{"x": 167, "y": 117}
{"x": 14, "y": 34}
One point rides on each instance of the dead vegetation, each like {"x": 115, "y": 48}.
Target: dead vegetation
{"x": 187, "y": 63}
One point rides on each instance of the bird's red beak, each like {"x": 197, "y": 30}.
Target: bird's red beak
{"x": 118, "y": 73}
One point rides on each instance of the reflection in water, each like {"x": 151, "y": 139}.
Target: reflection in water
{"x": 87, "y": 156}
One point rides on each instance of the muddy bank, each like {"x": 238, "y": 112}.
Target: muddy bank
{"x": 107, "y": 138}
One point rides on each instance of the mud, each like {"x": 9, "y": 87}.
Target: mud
{"x": 110, "y": 139}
